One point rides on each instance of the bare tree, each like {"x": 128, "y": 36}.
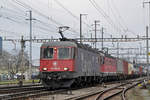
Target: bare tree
{"x": 14, "y": 63}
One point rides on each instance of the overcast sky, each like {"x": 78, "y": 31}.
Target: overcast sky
{"x": 118, "y": 17}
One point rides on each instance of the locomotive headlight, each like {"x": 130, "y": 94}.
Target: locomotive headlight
{"x": 66, "y": 68}
{"x": 44, "y": 69}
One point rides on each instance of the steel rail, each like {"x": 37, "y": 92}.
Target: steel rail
{"x": 123, "y": 90}
{"x": 126, "y": 89}
{"x": 19, "y": 89}
{"x": 91, "y": 94}
{"x": 101, "y": 92}
{"x": 30, "y": 94}
{"x": 113, "y": 88}
{"x": 17, "y": 86}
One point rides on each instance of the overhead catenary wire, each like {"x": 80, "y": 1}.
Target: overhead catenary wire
{"x": 73, "y": 15}
{"x": 17, "y": 18}
{"x": 36, "y": 26}
{"x": 36, "y": 11}
{"x": 10, "y": 32}
{"x": 126, "y": 29}
{"x": 5, "y": 10}
{"x": 118, "y": 13}
{"x": 9, "y": 18}
{"x": 13, "y": 20}
{"x": 66, "y": 9}
{"x": 41, "y": 14}
{"x": 45, "y": 24}
{"x": 59, "y": 24}
{"x": 117, "y": 19}
{"x": 105, "y": 16}
{"x": 20, "y": 10}
{"x": 16, "y": 34}
{"x": 21, "y": 18}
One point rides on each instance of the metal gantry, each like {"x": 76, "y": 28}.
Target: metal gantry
{"x": 93, "y": 40}
{"x": 84, "y": 39}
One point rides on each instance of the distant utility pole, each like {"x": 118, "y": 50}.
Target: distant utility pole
{"x": 81, "y": 26}
{"x": 128, "y": 54}
{"x": 22, "y": 59}
{"x": 147, "y": 51}
{"x": 147, "y": 38}
{"x": 140, "y": 49}
{"x": 92, "y": 42}
{"x": 22, "y": 47}
{"x": 95, "y": 24}
{"x": 117, "y": 49}
{"x": 102, "y": 37}
{"x": 149, "y": 11}
{"x": 30, "y": 19}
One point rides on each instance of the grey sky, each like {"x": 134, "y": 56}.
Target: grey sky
{"x": 127, "y": 16}
{"x": 127, "y": 12}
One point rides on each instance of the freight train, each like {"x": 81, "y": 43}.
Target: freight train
{"x": 69, "y": 63}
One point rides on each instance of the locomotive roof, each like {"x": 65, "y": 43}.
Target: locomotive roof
{"x": 70, "y": 44}
{"x": 60, "y": 43}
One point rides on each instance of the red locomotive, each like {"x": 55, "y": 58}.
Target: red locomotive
{"x": 68, "y": 63}
{"x": 57, "y": 57}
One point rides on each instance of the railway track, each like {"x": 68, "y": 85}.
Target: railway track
{"x": 25, "y": 92}
{"x": 14, "y": 89}
{"x": 7, "y": 93}
{"x": 108, "y": 93}
{"x": 126, "y": 89}
{"x": 30, "y": 93}
{"x": 19, "y": 89}
{"x": 16, "y": 86}
{"x": 38, "y": 91}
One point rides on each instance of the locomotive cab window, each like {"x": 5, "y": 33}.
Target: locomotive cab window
{"x": 48, "y": 53}
{"x": 63, "y": 53}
